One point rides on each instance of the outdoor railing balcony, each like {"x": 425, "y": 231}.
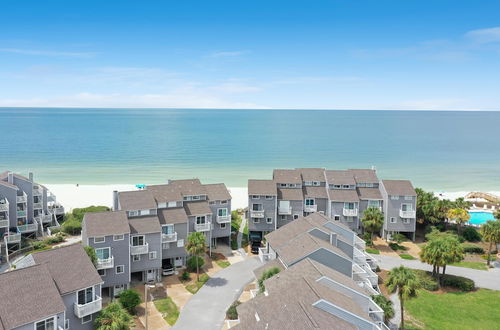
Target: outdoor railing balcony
{"x": 4, "y": 207}
{"x": 57, "y": 210}
{"x": 46, "y": 218}
{"x": 51, "y": 198}
{"x": 165, "y": 238}
{"x": 139, "y": 249}
{"x": 88, "y": 308}
{"x": 407, "y": 214}
{"x": 13, "y": 238}
{"x": 350, "y": 212}
{"x": 37, "y": 191}
{"x": 257, "y": 214}
{"x": 223, "y": 218}
{"x": 310, "y": 208}
{"x": 21, "y": 199}
{"x": 28, "y": 228}
{"x": 4, "y": 223}
{"x": 105, "y": 263}
{"x": 360, "y": 243}
{"x": 202, "y": 226}
{"x": 37, "y": 205}
{"x": 21, "y": 213}
{"x": 285, "y": 211}
{"x": 264, "y": 255}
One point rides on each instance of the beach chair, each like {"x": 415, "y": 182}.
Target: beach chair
{"x": 485, "y": 207}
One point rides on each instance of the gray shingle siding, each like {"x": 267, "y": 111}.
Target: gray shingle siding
{"x": 269, "y": 206}
{"x": 173, "y": 250}
{"x": 75, "y": 322}
{"x": 145, "y": 263}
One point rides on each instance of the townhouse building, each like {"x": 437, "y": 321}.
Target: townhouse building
{"x": 147, "y": 230}
{"x": 342, "y": 195}
{"x": 27, "y": 209}
{"x": 49, "y": 294}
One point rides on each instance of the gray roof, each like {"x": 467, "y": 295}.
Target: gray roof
{"x": 262, "y": 187}
{"x": 10, "y": 185}
{"x": 312, "y": 174}
{"x": 165, "y": 193}
{"x": 172, "y": 216}
{"x": 217, "y": 191}
{"x": 344, "y": 195}
{"x": 189, "y": 187}
{"x": 287, "y": 176}
{"x": 106, "y": 223}
{"x": 369, "y": 193}
{"x": 340, "y": 177}
{"x": 81, "y": 273}
{"x": 314, "y": 192}
{"x": 28, "y": 295}
{"x": 137, "y": 200}
{"x": 365, "y": 175}
{"x": 399, "y": 187}
{"x": 144, "y": 225}
{"x": 197, "y": 208}
{"x": 290, "y": 194}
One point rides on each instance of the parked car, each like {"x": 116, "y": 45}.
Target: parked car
{"x": 167, "y": 268}
{"x": 255, "y": 247}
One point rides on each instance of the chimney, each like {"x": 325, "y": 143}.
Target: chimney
{"x": 115, "y": 200}
{"x": 30, "y": 176}
{"x": 10, "y": 177}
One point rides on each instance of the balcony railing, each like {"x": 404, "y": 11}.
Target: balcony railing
{"x": 21, "y": 213}
{"x": 28, "y": 228}
{"x": 407, "y": 214}
{"x": 37, "y": 191}
{"x": 139, "y": 249}
{"x": 310, "y": 208}
{"x": 165, "y": 238}
{"x": 285, "y": 210}
{"x": 88, "y": 308}
{"x": 57, "y": 210}
{"x": 264, "y": 255}
{"x": 360, "y": 243}
{"x": 13, "y": 238}
{"x": 21, "y": 199}
{"x": 4, "y": 207}
{"x": 46, "y": 218}
{"x": 51, "y": 198}
{"x": 223, "y": 218}
{"x": 105, "y": 263}
{"x": 257, "y": 214}
{"x": 350, "y": 212}
{"x": 37, "y": 205}
{"x": 4, "y": 223}
{"x": 202, "y": 226}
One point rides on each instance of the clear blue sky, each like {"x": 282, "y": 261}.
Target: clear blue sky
{"x": 251, "y": 54}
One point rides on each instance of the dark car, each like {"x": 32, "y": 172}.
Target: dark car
{"x": 167, "y": 268}
{"x": 255, "y": 247}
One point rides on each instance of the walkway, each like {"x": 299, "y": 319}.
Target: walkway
{"x": 239, "y": 238}
{"x": 207, "y": 308}
{"x": 482, "y": 278}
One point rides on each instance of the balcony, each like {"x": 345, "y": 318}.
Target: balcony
{"x": 57, "y": 209}
{"x": 105, "y": 263}
{"x": 139, "y": 249}
{"x": 13, "y": 238}
{"x": 257, "y": 214}
{"x": 4, "y": 207}
{"x": 21, "y": 199}
{"x": 37, "y": 191}
{"x": 4, "y": 223}
{"x": 51, "y": 198}
{"x": 407, "y": 214}
{"x": 21, "y": 213}
{"x": 37, "y": 206}
{"x": 28, "y": 228}
{"x": 310, "y": 208}
{"x": 264, "y": 255}
{"x": 166, "y": 238}
{"x": 350, "y": 212}
{"x": 285, "y": 210}
{"x": 202, "y": 226}
{"x": 46, "y": 218}
{"x": 88, "y": 308}
{"x": 223, "y": 218}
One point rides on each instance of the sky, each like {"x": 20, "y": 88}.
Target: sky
{"x": 430, "y": 55}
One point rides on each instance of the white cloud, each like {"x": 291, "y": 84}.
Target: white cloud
{"x": 484, "y": 35}
{"x": 47, "y": 53}
{"x": 228, "y": 53}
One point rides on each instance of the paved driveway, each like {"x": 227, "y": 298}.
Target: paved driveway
{"x": 207, "y": 309}
{"x": 484, "y": 279}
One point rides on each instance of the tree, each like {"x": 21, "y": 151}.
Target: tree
{"x": 406, "y": 283}
{"x": 460, "y": 216}
{"x": 91, "y": 253}
{"x": 386, "y": 305}
{"x": 441, "y": 249}
{"x": 129, "y": 299}
{"x": 265, "y": 275}
{"x": 373, "y": 220}
{"x": 196, "y": 246}
{"x": 491, "y": 234}
{"x": 454, "y": 252}
{"x": 113, "y": 317}
{"x": 461, "y": 203}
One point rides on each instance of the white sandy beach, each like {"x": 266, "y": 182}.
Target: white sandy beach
{"x": 71, "y": 196}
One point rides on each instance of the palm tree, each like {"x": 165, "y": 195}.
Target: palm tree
{"x": 196, "y": 247}
{"x": 386, "y": 305}
{"x": 491, "y": 233}
{"x": 373, "y": 220}
{"x": 406, "y": 283}
{"x": 113, "y": 317}
{"x": 454, "y": 251}
{"x": 442, "y": 249}
{"x": 460, "y": 216}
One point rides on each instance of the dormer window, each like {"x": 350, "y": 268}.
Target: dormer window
{"x": 308, "y": 183}
{"x": 255, "y": 197}
{"x": 133, "y": 213}
{"x": 223, "y": 202}
{"x": 283, "y": 185}
{"x": 346, "y": 186}
{"x": 337, "y": 186}
{"x": 316, "y": 183}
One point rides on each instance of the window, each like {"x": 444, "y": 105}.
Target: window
{"x": 186, "y": 198}
{"x": 138, "y": 240}
{"x": 171, "y": 204}
{"x": 66, "y": 324}
{"x": 99, "y": 239}
{"x": 120, "y": 269}
{"x": 256, "y": 220}
{"x": 136, "y": 257}
{"x": 144, "y": 212}
{"x": 309, "y": 201}
{"x": 292, "y": 185}
{"x": 282, "y": 185}
{"x": 308, "y": 183}
{"x": 394, "y": 197}
{"x": 283, "y": 217}
{"x": 165, "y": 246}
{"x": 406, "y": 221}
{"x": 255, "y": 197}
{"x": 408, "y": 198}
{"x": 167, "y": 229}
{"x": 212, "y": 202}
{"x": 223, "y": 202}
{"x": 316, "y": 183}
{"x": 268, "y": 197}
{"x": 336, "y": 217}
{"x": 393, "y": 220}
{"x": 201, "y": 220}
{"x": 375, "y": 204}
{"x": 133, "y": 213}
{"x": 370, "y": 185}
{"x": 222, "y": 226}
{"x": 85, "y": 296}
{"x": 349, "y": 219}
{"x": 257, "y": 207}
{"x": 269, "y": 220}
{"x": 222, "y": 212}
{"x": 406, "y": 207}
{"x": 295, "y": 216}
{"x": 152, "y": 255}
{"x": 180, "y": 243}
{"x": 101, "y": 272}
{"x": 196, "y": 198}
{"x": 47, "y": 324}
{"x": 118, "y": 238}
{"x": 346, "y": 186}
{"x": 103, "y": 253}
{"x": 336, "y": 186}
{"x": 87, "y": 319}
{"x": 349, "y": 205}
{"x": 162, "y": 205}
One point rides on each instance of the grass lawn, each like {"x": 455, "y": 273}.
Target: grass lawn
{"x": 372, "y": 251}
{"x": 471, "y": 264}
{"x": 223, "y": 263}
{"x": 457, "y": 310}
{"x": 407, "y": 256}
{"x": 196, "y": 285}
{"x": 168, "y": 309}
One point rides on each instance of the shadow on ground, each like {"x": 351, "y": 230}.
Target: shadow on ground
{"x": 216, "y": 281}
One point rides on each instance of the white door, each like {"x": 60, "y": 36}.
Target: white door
{"x": 151, "y": 275}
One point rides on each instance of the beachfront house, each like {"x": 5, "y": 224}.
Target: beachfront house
{"x": 342, "y": 195}
{"x": 145, "y": 235}
{"x": 49, "y": 294}
{"x": 27, "y": 209}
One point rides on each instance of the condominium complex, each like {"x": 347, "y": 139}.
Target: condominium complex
{"x": 26, "y": 209}
{"x": 53, "y": 289}
{"x": 342, "y": 195}
{"x": 147, "y": 230}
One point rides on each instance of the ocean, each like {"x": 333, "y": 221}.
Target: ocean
{"x": 437, "y": 150}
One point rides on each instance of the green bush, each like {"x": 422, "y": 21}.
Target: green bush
{"x": 232, "y": 313}
{"x": 72, "y": 227}
{"x": 267, "y": 274}
{"x": 396, "y": 247}
{"x": 471, "y": 234}
{"x": 58, "y": 238}
{"x": 472, "y": 248}
{"x": 407, "y": 257}
{"x": 130, "y": 299}
{"x": 492, "y": 257}
{"x": 55, "y": 230}
{"x": 399, "y": 238}
{"x": 426, "y": 280}
{"x": 39, "y": 245}
{"x": 458, "y": 282}
{"x": 185, "y": 276}
{"x": 372, "y": 251}
{"x": 191, "y": 263}
{"x": 78, "y": 213}
{"x": 91, "y": 253}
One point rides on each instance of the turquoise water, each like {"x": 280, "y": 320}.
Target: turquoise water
{"x": 478, "y": 218}
{"x": 448, "y": 151}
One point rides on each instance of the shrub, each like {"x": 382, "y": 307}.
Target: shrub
{"x": 396, "y": 247}
{"x": 39, "y": 245}
{"x": 426, "y": 280}
{"x": 407, "y": 257}
{"x": 492, "y": 257}
{"x": 372, "y": 251}
{"x": 55, "y": 230}
{"x": 471, "y": 234}
{"x": 91, "y": 253}
{"x": 129, "y": 300}
{"x": 72, "y": 227}
{"x": 185, "y": 276}
{"x": 232, "y": 313}
{"x": 267, "y": 274}
{"x": 386, "y": 305}
{"x": 398, "y": 238}
{"x": 458, "y": 282}
{"x": 472, "y": 248}
{"x": 191, "y": 263}
{"x": 113, "y": 316}
{"x": 58, "y": 238}
{"x": 234, "y": 243}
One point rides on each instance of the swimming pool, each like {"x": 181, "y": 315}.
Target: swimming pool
{"x": 478, "y": 218}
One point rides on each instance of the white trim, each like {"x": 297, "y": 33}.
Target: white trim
{"x": 269, "y": 218}
{"x": 255, "y": 196}
{"x": 180, "y": 243}
{"x": 54, "y": 320}
{"x": 101, "y": 270}
{"x": 118, "y": 239}
{"x": 116, "y": 269}
{"x": 136, "y": 256}
{"x": 90, "y": 320}
{"x": 391, "y": 220}
{"x": 99, "y": 237}
{"x": 154, "y": 254}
